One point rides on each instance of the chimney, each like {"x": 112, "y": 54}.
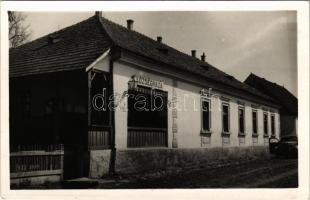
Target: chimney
{"x": 159, "y": 39}
{"x": 98, "y": 14}
{"x": 130, "y": 24}
{"x": 203, "y": 57}
{"x": 194, "y": 53}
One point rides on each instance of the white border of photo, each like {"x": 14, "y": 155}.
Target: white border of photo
{"x": 302, "y": 192}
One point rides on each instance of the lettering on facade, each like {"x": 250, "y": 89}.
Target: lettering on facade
{"x": 145, "y": 81}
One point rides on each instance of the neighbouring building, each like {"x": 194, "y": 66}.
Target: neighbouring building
{"x": 81, "y": 86}
{"x": 288, "y": 102}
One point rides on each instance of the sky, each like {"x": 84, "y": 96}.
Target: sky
{"x": 238, "y": 43}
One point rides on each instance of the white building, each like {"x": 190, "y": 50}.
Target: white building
{"x": 207, "y": 116}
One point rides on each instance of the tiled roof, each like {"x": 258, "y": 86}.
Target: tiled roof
{"x": 145, "y": 46}
{"x": 73, "y": 47}
{"x": 281, "y": 94}
{"x": 79, "y": 45}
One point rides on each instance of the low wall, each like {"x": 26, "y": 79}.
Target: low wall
{"x": 36, "y": 166}
{"x": 132, "y": 161}
{"x": 99, "y": 163}
{"x": 35, "y": 180}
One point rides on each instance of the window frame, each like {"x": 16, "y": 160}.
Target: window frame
{"x": 273, "y": 125}
{"x": 228, "y": 114}
{"x": 205, "y": 98}
{"x": 256, "y": 122}
{"x": 243, "y": 109}
{"x": 265, "y": 126}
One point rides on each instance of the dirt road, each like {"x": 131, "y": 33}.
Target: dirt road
{"x": 273, "y": 173}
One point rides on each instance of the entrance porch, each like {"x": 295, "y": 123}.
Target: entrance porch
{"x": 55, "y": 109}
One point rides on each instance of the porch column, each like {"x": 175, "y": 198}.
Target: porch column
{"x": 174, "y": 116}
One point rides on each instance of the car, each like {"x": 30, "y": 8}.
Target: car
{"x": 287, "y": 147}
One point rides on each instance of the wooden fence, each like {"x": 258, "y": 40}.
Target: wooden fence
{"x": 36, "y": 147}
{"x": 147, "y": 137}
{"x": 34, "y": 163}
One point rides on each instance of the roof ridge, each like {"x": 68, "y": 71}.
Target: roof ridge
{"x": 101, "y": 33}
{"x": 152, "y": 39}
{"x": 162, "y": 44}
{"x": 106, "y": 22}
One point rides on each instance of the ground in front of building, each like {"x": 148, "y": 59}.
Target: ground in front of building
{"x": 274, "y": 173}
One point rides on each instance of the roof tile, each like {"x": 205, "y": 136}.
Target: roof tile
{"x": 79, "y": 45}
{"x": 282, "y": 95}
{"x": 143, "y": 45}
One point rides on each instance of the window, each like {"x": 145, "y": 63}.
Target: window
{"x": 265, "y": 123}
{"x": 254, "y": 122}
{"x": 273, "y": 125}
{"x": 147, "y": 117}
{"x": 147, "y": 108}
{"x": 206, "y": 115}
{"x": 241, "y": 120}
{"x": 225, "y": 117}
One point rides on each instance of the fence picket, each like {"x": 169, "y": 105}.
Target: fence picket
{"x": 35, "y": 159}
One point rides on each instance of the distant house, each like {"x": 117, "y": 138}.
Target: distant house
{"x": 288, "y": 102}
{"x": 83, "y": 87}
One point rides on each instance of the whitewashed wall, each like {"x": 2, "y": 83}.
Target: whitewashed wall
{"x": 189, "y": 121}
{"x": 121, "y": 75}
{"x": 189, "y": 114}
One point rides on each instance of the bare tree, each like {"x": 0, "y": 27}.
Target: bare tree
{"x": 19, "y": 32}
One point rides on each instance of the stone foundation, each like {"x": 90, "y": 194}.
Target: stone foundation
{"x": 99, "y": 163}
{"x": 132, "y": 161}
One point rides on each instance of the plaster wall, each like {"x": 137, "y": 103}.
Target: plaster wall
{"x": 188, "y": 116}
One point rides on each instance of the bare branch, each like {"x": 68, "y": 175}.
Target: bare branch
{"x": 19, "y": 32}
